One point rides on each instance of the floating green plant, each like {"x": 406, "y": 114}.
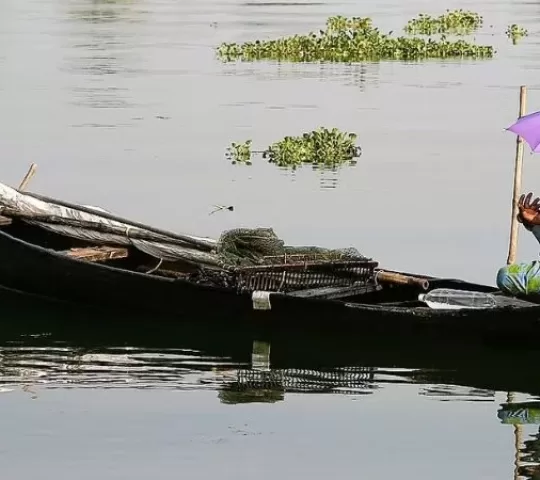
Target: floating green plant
{"x": 457, "y": 22}
{"x": 321, "y": 147}
{"x": 351, "y": 40}
{"x": 515, "y": 33}
{"x": 240, "y": 152}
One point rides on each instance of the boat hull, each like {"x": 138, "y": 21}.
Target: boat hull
{"x": 33, "y": 269}
{"x": 40, "y": 271}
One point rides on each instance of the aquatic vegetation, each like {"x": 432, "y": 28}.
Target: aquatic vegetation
{"x": 240, "y": 152}
{"x": 351, "y": 40}
{"x": 457, "y": 22}
{"x": 321, "y": 147}
{"x": 515, "y": 33}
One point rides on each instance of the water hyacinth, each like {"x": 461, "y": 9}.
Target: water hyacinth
{"x": 321, "y": 147}
{"x": 351, "y": 40}
{"x": 515, "y": 33}
{"x": 457, "y": 22}
{"x": 240, "y": 152}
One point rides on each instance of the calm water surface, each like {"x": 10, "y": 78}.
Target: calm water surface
{"x": 123, "y": 104}
{"x": 116, "y": 396}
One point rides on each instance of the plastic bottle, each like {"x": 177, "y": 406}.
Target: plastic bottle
{"x": 447, "y": 298}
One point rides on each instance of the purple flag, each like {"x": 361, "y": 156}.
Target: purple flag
{"x": 528, "y": 128}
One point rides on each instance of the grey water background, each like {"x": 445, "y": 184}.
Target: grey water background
{"x": 123, "y": 104}
{"x": 104, "y": 395}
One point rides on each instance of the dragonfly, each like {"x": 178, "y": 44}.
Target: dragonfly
{"x": 222, "y": 207}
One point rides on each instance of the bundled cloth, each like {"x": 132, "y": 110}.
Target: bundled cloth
{"x": 520, "y": 278}
{"x": 235, "y": 248}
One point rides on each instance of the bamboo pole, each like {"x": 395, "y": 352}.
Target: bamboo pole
{"x": 518, "y": 434}
{"x": 400, "y": 279}
{"x": 28, "y": 177}
{"x": 518, "y": 168}
{"x": 24, "y": 183}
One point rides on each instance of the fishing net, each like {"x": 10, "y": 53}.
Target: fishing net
{"x": 261, "y": 246}
{"x": 257, "y": 259}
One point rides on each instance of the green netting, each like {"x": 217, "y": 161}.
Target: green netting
{"x": 260, "y": 246}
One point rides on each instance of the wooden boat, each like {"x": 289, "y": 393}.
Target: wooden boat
{"x": 67, "y": 257}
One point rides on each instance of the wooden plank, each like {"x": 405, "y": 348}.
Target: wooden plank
{"x": 4, "y": 221}
{"x": 97, "y": 254}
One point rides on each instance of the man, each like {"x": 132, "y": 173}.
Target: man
{"x": 523, "y": 278}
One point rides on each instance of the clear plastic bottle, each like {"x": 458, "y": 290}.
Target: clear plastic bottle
{"x": 447, "y": 298}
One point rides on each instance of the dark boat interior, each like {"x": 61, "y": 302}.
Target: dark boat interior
{"x": 131, "y": 259}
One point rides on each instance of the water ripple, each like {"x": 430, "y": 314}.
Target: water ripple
{"x": 57, "y": 366}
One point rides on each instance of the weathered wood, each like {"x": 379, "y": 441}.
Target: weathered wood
{"x": 97, "y": 254}
{"x": 400, "y": 279}
{"x": 22, "y": 186}
{"x": 28, "y": 177}
{"x": 518, "y": 168}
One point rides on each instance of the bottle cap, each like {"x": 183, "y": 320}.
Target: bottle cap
{"x": 421, "y": 297}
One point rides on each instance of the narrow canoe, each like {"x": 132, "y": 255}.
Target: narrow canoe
{"x": 51, "y": 265}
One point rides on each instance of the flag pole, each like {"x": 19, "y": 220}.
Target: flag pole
{"x": 518, "y": 168}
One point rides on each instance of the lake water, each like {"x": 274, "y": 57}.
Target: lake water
{"x": 116, "y": 396}
{"x": 124, "y": 105}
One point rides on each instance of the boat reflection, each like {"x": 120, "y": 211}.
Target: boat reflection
{"x": 261, "y": 383}
{"x": 40, "y": 361}
{"x": 53, "y": 346}
{"x": 44, "y": 346}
